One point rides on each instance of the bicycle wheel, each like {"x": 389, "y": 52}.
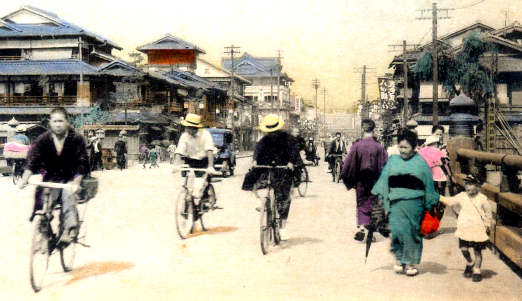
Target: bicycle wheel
{"x": 67, "y": 256}
{"x": 266, "y": 228}
{"x": 184, "y": 213}
{"x": 208, "y": 208}
{"x": 303, "y": 186}
{"x": 334, "y": 176}
{"x": 40, "y": 252}
{"x": 338, "y": 171}
{"x": 16, "y": 175}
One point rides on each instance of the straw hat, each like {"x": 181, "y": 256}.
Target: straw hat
{"x": 20, "y": 129}
{"x": 431, "y": 140}
{"x": 271, "y": 123}
{"x": 192, "y": 120}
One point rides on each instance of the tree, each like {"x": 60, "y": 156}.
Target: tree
{"x": 466, "y": 68}
{"x": 96, "y": 116}
{"x": 137, "y": 59}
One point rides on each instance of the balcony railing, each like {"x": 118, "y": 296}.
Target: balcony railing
{"x": 10, "y": 58}
{"x": 37, "y": 100}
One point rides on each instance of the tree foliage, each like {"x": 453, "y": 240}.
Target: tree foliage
{"x": 96, "y": 116}
{"x": 464, "y": 68}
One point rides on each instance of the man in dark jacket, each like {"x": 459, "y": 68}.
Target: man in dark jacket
{"x": 277, "y": 147}
{"x": 60, "y": 155}
{"x": 337, "y": 147}
{"x": 120, "y": 148}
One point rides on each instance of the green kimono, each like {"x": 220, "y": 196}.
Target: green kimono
{"x": 405, "y": 187}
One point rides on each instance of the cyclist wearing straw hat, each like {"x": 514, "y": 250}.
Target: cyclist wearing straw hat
{"x": 277, "y": 147}
{"x": 195, "y": 145}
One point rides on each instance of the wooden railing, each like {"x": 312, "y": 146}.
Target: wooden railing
{"x": 37, "y": 100}
{"x": 507, "y": 232}
{"x": 10, "y": 58}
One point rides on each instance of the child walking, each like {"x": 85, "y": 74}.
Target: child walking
{"x": 473, "y": 224}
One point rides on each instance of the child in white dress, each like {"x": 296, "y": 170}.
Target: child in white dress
{"x": 473, "y": 224}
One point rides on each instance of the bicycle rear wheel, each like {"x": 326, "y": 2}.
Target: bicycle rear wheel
{"x": 208, "y": 208}
{"x": 16, "y": 174}
{"x": 40, "y": 252}
{"x": 266, "y": 227}
{"x": 303, "y": 186}
{"x": 184, "y": 213}
{"x": 67, "y": 255}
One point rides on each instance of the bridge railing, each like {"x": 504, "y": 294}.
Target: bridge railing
{"x": 507, "y": 233}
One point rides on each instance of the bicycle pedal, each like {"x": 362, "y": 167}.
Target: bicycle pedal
{"x": 218, "y": 208}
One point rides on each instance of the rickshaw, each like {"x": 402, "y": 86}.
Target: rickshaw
{"x": 226, "y": 155}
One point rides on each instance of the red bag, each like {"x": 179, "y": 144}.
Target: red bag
{"x": 430, "y": 223}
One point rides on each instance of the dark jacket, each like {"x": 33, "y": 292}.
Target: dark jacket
{"x": 120, "y": 147}
{"x": 72, "y": 161}
{"x": 333, "y": 145}
{"x": 277, "y": 146}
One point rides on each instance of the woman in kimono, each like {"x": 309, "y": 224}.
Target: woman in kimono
{"x": 405, "y": 187}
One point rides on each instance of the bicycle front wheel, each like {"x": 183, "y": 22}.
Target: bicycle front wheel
{"x": 208, "y": 207}
{"x": 184, "y": 213}
{"x": 303, "y": 186}
{"x": 337, "y": 171}
{"x": 67, "y": 255}
{"x": 266, "y": 227}
{"x": 40, "y": 252}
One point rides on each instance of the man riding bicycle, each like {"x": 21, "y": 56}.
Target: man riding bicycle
{"x": 300, "y": 146}
{"x": 277, "y": 147}
{"x": 311, "y": 150}
{"x": 60, "y": 155}
{"x": 337, "y": 147}
{"x": 196, "y": 146}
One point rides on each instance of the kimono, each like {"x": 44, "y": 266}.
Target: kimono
{"x": 406, "y": 190}
{"x": 361, "y": 170}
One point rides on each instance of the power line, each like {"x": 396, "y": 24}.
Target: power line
{"x": 470, "y": 5}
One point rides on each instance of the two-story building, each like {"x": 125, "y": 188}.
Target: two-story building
{"x": 268, "y": 95}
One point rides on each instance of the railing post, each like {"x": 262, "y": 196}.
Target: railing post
{"x": 509, "y": 181}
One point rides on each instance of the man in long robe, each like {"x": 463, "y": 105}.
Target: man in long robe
{"x": 361, "y": 170}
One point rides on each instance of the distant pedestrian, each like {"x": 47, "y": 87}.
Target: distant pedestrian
{"x": 405, "y": 187}
{"x": 120, "y": 148}
{"x": 96, "y": 159}
{"x": 473, "y": 224}
{"x": 393, "y": 149}
{"x": 154, "y": 156}
{"x": 361, "y": 169}
{"x": 171, "y": 149}
{"x": 144, "y": 154}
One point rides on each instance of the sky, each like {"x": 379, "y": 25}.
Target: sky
{"x": 329, "y": 40}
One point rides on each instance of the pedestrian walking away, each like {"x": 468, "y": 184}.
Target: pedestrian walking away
{"x": 361, "y": 170}
{"x": 144, "y": 154}
{"x": 120, "y": 148}
{"x": 171, "y": 149}
{"x": 473, "y": 224}
{"x": 405, "y": 187}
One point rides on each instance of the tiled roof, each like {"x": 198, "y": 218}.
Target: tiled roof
{"x": 56, "y": 27}
{"x": 169, "y": 42}
{"x": 194, "y": 81}
{"x": 255, "y": 66}
{"x": 47, "y": 67}
{"x": 141, "y": 117}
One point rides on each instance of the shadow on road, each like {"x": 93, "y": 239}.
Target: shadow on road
{"x": 424, "y": 267}
{"x": 98, "y": 268}
{"x": 296, "y": 241}
{"x": 215, "y": 230}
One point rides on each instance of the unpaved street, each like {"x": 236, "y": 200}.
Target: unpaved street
{"x": 136, "y": 253}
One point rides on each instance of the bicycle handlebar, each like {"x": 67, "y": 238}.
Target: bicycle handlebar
{"x": 51, "y": 184}
{"x": 271, "y": 166}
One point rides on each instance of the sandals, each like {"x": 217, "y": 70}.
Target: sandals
{"x": 398, "y": 268}
{"x": 411, "y": 272}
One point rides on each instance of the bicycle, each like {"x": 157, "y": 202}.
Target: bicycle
{"x": 337, "y": 167}
{"x": 270, "y": 221}
{"x": 187, "y": 211}
{"x": 46, "y": 235}
{"x": 301, "y": 182}
{"x": 17, "y": 170}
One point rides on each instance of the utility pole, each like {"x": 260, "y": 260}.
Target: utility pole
{"x": 80, "y": 58}
{"x": 435, "y": 59}
{"x": 279, "y": 102}
{"x": 272, "y": 87}
{"x": 325, "y": 92}
{"x": 316, "y": 84}
{"x": 231, "y": 50}
{"x": 406, "y": 108}
{"x": 364, "y": 70}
